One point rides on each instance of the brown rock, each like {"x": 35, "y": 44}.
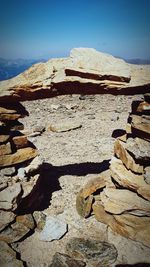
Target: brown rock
{"x": 127, "y": 179}
{"x": 26, "y": 220}
{"x": 5, "y": 149}
{"x": 84, "y": 198}
{"x": 123, "y": 137}
{"x": 3, "y": 138}
{"x": 128, "y": 128}
{"x": 21, "y": 155}
{"x": 65, "y": 126}
{"x": 14, "y": 232}
{"x": 127, "y": 225}
{"x": 101, "y": 215}
{"x": 83, "y": 205}
{"x": 119, "y": 201}
{"x": 133, "y": 227}
{"x": 20, "y": 141}
{"x": 126, "y": 158}
{"x": 9, "y": 117}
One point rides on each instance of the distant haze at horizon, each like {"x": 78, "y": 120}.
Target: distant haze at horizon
{"x": 45, "y": 29}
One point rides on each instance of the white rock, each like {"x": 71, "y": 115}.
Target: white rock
{"x": 54, "y": 229}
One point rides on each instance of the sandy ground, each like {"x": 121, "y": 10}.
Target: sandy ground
{"x": 77, "y": 156}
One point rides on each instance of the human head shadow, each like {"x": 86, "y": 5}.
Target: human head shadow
{"x": 48, "y": 182}
{"x": 141, "y": 264}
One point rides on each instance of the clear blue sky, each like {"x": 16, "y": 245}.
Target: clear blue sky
{"x": 50, "y": 28}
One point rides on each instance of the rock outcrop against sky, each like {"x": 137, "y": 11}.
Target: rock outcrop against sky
{"x": 85, "y": 71}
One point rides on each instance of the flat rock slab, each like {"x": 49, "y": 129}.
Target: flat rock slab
{"x": 117, "y": 201}
{"x": 17, "y": 230}
{"x": 21, "y": 155}
{"x": 54, "y": 229}
{"x": 63, "y": 260}
{"x": 64, "y": 126}
{"x": 127, "y": 225}
{"x": 128, "y": 179}
{"x": 9, "y": 195}
{"x": 140, "y": 148}
{"x": 122, "y": 153}
{"x": 91, "y": 249}
{"x": 6, "y": 217}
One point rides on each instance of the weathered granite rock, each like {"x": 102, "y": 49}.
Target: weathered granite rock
{"x": 21, "y": 155}
{"x": 64, "y": 126}
{"x": 8, "y": 256}
{"x": 122, "y": 153}
{"x": 117, "y": 201}
{"x": 128, "y": 179}
{"x": 63, "y": 260}
{"x": 6, "y": 217}
{"x": 8, "y": 197}
{"x": 54, "y": 228}
{"x": 91, "y": 249}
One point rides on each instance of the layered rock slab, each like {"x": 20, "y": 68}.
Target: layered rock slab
{"x": 85, "y": 71}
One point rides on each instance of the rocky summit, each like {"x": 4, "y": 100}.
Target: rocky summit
{"x": 75, "y": 166}
{"x": 85, "y": 71}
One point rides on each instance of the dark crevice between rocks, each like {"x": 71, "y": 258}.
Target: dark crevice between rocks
{"x": 18, "y": 255}
{"x": 48, "y": 182}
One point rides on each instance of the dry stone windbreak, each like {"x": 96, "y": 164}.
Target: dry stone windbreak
{"x": 124, "y": 200}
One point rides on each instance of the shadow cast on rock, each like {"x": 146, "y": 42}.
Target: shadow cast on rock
{"x": 48, "y": 182}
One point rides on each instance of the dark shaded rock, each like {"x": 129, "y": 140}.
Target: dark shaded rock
{"x": 91, "y": 249}
{"x": 63, "y": 260}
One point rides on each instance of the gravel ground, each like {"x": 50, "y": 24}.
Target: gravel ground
{"x": 77, "y": 156}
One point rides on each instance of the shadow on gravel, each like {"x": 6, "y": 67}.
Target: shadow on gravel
{"x": 48, "y": 182}
{"x": 134, "y": 265}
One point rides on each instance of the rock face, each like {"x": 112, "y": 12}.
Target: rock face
{"x": 85, "y": 71}
{"x": 124, "y": 204}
